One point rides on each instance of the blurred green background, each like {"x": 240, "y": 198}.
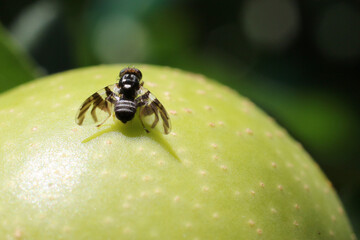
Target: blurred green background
{"x": 298, "y": 60}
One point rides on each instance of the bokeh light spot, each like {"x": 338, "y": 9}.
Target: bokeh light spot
{"x": 270, "y": 24}
{"x": 33, "y": 22}
{"x": 119, "y": 39}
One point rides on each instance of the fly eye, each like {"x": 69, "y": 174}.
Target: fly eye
{"x": 122, "y": 72}
{"x": 139, "y": 74}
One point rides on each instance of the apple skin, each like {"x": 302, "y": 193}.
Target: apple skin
{"x": 226, "y": 171}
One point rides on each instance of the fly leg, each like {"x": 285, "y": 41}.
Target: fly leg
{"x": 144, "y": 111}
{"x": 142, "y": 123}
{"x": 156, "y": 120}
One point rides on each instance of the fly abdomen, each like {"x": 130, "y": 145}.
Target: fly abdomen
{"x": 125, "y": 110}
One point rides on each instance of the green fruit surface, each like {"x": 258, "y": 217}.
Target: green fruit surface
{"x": 226, "y": 171}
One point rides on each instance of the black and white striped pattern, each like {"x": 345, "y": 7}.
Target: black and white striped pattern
{"x": 125, "y": 110}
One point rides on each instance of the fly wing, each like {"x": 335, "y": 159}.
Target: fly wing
{"x": 97, "y": 108}
{"x": 151, "y": 112}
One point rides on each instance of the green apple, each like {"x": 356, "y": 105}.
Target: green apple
{"x": 226, "y": 170}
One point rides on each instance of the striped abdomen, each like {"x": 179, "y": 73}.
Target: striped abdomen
{"x": 125, "y": 110}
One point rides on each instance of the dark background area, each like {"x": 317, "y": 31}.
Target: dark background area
{"x": 297, "y": 60}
